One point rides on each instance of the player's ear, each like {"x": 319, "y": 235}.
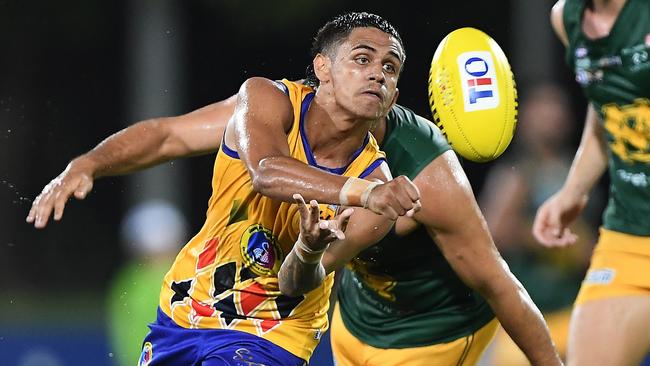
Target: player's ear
{"x": 322, "y": 66}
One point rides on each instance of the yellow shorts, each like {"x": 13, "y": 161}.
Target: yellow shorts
{"x": 620, "y": 266}
{"x": 466, "y": 351}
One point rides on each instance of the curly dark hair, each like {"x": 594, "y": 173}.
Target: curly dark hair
{"x": 334, "y": 32}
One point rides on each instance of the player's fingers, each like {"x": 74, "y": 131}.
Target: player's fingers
{"x": 302, "y": 206}
{"x": 410, "y": 188}
{"x": 330, "y": 228}
{"x": 59, "y": 204}
{"x": 32, "y": 211}
{"x": 390, "y": 213}
{"x": 84, "y": 187}
{"x": 542, "y": 230}
{"x": 416, "y": 207}
{"x": 43, "y": 211}
{"x": 314, "y": 211}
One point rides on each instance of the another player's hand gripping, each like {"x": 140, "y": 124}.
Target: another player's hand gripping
{"x": 76, "y": 179}
{"x": 316, "y": 234}
{"x": 554, "y": 216}
{"x": 395, "y": 198}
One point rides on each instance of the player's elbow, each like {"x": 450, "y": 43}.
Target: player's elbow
{"x": 265, "y": 176}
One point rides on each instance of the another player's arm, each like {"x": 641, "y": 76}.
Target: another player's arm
{"x": 258, "y": 131}
{"x": 305, "y": 268}
{"x": 134, "y": 148}
{"x": 590, "y": 162}
{"x": 452, "y": 217}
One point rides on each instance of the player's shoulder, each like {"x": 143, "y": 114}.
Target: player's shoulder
{"x": 411, "y": 142}
{"x": 407, "y": 126}
{"x": 557, "y": 21}
{"x": 265, "y": 97}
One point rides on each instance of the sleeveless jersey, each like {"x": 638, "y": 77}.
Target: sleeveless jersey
{"x": 614, "y": 72}
{"x": 226, "y": 276}
{"x": 401, "y": 292}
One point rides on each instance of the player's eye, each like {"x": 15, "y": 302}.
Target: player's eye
{"x": 362, "y": 60}
{"x": 390, "y": 68}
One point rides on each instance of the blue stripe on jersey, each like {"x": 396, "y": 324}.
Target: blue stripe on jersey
{"x": 310, "y": 156}
{"x": 372, "y": 167}
{"x": 228, "y": 151}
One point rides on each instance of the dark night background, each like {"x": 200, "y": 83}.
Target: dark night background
{"x": 68, "y": 80}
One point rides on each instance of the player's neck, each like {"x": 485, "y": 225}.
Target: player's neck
{"x": 379, "y": 130}
{"x": 599, "y": 20}
{"x": 333, "y": 135}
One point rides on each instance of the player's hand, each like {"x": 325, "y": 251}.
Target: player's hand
{"x": 554, "y": 216}
{"x": 317, "y": 233}
{"x": 77, "y": 179}
{"x": 395, "y": 198}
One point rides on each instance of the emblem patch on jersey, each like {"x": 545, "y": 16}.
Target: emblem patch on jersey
{"x": 602, "y": 276}
{"x": 260, "y": 251}
{"x": 146, "y": 355}
{"x": 629, "y": 127}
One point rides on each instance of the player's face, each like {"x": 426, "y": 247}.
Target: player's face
{"x": 365, "y": 70}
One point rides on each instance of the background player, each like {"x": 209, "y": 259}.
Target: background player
{"x": 607, "y": 47}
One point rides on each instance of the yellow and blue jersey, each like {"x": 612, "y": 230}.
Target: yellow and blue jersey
{"x": 226, "y": 276}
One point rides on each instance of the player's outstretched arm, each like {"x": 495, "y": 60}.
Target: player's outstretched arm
{"x": 550, "y": 227}
{"x": 136, "y": 147}
{"x": 451, "y": 216}
{"x": 258, "y": 133}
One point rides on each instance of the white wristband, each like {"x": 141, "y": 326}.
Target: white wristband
{"x": 355, "y": 192}
{"x": 316, "y": 255}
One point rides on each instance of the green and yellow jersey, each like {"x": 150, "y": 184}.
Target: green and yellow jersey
{"x": 401, "y": 292}
{"x": 614, "y": 72}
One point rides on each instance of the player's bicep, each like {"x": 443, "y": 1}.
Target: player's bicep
{"x": 200, "y": 131}
{"x": 257, "y": 129}
{"x": 451, "y": 215}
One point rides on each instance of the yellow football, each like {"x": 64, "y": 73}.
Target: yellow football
{"x": 472, "y": 94}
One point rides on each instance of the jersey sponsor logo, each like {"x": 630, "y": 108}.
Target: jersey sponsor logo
{"x": 146, "y": 355}
{"x": 639, "y": 180}
{"x": 629, "y": 127}
{"x": 260, "y": 251}
{"x": 478, "y": 81}
{"x": 601, "y": 276}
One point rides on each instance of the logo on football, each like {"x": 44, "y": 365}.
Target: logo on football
{"x": 472, "y": 94}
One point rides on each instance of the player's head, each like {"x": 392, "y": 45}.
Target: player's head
{"x": 357, "y": 55}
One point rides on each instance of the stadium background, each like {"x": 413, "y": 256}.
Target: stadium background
{"x": 73, "y": 72}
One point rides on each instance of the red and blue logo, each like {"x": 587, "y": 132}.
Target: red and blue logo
{"x": 478, "y": 80}
{"x": 146, "y": 355}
